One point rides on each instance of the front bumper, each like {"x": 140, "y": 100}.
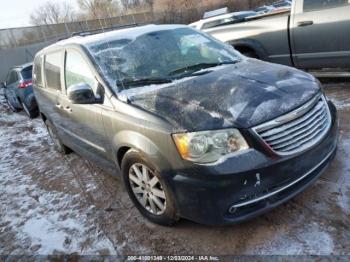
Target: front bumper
{"x": 217, "y": 196}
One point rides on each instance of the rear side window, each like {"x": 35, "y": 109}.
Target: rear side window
{"x": 52, "y": 67}
{"x": 313, "y": 5}
{"x": 38, "y": 78}
{"x": 27, "y": 73}
{"x": 12, "y": 77}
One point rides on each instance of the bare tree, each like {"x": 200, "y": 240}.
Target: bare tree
{"x": 247, "y": 4}
{"x": 182, "y": 11}
{"x": 131, "y": 3}
{"x": 99, "y": 8}
{"x": 52, "y": 13}
{"x": 68, "y": 13}
{"x": 150, "y": 4}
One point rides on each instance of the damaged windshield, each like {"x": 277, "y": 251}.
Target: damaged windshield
{"x": 159, "y": 57}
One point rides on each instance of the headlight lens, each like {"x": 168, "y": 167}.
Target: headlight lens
{"x": 209, "y": 146}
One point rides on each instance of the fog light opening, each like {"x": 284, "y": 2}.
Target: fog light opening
{"x": 232, "y": 210}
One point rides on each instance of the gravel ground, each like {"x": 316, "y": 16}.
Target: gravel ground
{"x": 50, "y": 204}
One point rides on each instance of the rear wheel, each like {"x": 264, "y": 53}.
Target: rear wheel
{"x": 32, "y": 113}
{"x": 148, "y": 190}
{"x": 59, "y": 146}
{"x": 12, "y": 107}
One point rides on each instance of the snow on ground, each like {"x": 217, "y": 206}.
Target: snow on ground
{"x": 339, "y": 95}
{"x": 311, "y": 241}
{"x": 36, "y": 219}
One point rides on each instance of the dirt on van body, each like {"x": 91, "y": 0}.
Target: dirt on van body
{"x": 54, "y": 204}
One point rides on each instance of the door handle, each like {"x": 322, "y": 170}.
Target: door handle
{"x": 305, "y": 23}
{"x": 68, "y": 109}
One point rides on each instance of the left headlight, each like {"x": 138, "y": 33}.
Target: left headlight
{"x": 209, "y": 146}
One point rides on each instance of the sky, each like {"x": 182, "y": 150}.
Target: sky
{"x": 16, "y": 13}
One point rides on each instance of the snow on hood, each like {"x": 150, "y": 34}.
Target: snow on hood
{"x": 241, "y": 95}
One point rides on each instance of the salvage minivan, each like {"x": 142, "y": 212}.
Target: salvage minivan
{"x": 197, "y": 130}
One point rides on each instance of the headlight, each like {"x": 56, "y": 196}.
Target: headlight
{"x": 209, "y": 146}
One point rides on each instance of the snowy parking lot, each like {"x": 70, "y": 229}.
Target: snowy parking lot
{"x": 54, "y": 204}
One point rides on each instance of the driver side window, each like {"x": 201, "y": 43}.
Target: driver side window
{"x": 78, "y": 71}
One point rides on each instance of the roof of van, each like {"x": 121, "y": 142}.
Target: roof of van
{"x": 126, "y": 33}
{"x": 20, "y": 67}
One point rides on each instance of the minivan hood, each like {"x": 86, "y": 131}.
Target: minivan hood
{"x": 242, "y": 95}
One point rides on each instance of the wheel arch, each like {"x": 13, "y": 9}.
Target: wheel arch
{"x": 250, "y": 45}
{"x": 130, "y": 140}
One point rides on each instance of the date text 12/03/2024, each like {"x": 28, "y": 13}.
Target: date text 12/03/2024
{"x": 173, "y": 258}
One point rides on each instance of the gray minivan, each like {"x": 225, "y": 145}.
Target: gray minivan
{"x": 197, "y": 130}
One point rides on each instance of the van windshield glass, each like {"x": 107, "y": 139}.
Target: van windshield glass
{"x": 158, "y": 57}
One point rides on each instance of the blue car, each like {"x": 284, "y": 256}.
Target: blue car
{"x": 18, "y": 90}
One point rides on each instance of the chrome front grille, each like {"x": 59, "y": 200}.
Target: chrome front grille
{"x": 298, "y": 130}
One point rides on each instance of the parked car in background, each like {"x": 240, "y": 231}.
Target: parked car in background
{"x": 225, "y": 19}
{"x": 18, "y": 90}
{"x": 282, "y": 4}
{"x": 313, "y": 36}
{"x": 197, "y": 130}
{"x": 264, "y": 9}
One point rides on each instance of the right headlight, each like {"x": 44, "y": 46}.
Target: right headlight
{"x": 209, "y": 146}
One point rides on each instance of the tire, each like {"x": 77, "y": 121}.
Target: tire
{"x": 148, "y": 193}
{"x": 59, "y": 146}
{"x": 12, "y": 107}
{"x": 32, "y": 113}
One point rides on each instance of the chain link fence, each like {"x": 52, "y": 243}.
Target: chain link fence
{"x": 16, "y": 37}
{"x": 19, "y": 45}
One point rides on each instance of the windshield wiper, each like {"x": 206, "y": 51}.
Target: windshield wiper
{"x": 144, "y": 81}
{"x": 198, "y": 67}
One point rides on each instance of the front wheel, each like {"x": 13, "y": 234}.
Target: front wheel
{"x": 148, "y": 190}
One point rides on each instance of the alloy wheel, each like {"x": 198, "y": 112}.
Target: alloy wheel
{"x": 147, "y": 189}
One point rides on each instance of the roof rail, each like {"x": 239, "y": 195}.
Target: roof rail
{"x": 103, "y": 29}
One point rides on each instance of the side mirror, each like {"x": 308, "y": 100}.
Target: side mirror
{"x": 82, "y": 93}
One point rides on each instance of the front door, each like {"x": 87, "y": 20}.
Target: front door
{"x": 83, "y": 123}
{"x": 320, "y": 34}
